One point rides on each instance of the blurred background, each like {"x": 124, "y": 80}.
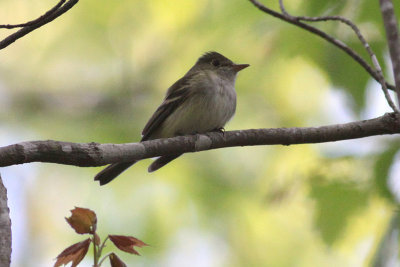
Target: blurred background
{"x": 97, "y": 73}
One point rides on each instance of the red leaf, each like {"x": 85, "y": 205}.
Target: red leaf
{"x": 83, "y": 221}
{"x": 115, "y": 261}
{"x": 127, "y": 243}
{"x": 74, "y": 254}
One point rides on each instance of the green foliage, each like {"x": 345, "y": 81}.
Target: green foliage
{"x": 319, "y": 8}
{"x": 336, "y": 203}
{"x": 97, "y": 74}
{"x": 381, "y": 172}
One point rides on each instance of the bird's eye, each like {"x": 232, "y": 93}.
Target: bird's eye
{"x": 215, "y": 62}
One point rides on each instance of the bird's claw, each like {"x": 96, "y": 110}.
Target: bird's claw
{"x": 220, "y": 130}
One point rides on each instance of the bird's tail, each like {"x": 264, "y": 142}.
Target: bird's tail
{"x": 111, "y": 171}
{"x": 161, "y": 161}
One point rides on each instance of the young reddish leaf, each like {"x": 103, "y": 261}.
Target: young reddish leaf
{"x": 115, "y": 261}
{"x": 83, "y": 221}
{"x": 74, "y": 254}
{"x": 127, "y": 243}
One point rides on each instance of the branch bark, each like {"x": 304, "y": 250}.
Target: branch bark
{"x": 94, "y": 154}
{"x": 5, "y": 228}
{"x": 392, "y": 35}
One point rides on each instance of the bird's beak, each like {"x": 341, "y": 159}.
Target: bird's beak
{"x": 239, "y": 67}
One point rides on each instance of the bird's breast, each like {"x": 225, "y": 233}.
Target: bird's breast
{"x": 210, "y": 107}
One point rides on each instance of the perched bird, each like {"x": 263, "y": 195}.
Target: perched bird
{"x": 203, "y": 100}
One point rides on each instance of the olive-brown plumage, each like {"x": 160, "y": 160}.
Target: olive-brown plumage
{"x": 203, "y": 100}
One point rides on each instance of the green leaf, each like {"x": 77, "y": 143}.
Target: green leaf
{"x": 336, "y": 203}
{"x": 319, "y": 8}
{"x": 381, "y": 173}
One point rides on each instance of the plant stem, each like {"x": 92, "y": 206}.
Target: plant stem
{"x": 96, "y": 256}
{"x": 104, "y": 258}
{"x": 102, "y": 246}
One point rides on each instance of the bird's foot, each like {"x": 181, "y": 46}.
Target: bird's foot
{"x": 220, "y": 130}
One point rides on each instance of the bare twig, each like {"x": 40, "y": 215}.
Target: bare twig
{"x": 378, "y": 69}
{"x": 392, "y": 35}
{"x": 325, "y": 36}
{"x": 49, "y": 16}
{"x": 94, "y": 154}
{"x": 32, "y": 22}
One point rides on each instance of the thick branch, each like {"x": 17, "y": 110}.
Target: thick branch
{"x": 392, "y": 36}
{"x": 49, "y": 16}
{"x": 5, "y": 228}
{"x": 327, "y": 37}
{"x": 94, "y": 154}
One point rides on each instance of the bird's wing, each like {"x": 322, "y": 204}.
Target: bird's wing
{"x": 176, "y": 95}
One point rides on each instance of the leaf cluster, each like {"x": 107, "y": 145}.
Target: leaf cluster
{"x": 84, "y": 221}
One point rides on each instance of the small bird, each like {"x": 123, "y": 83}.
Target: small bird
{"x": 203, "y": 100}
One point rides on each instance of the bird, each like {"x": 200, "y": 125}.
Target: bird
{"x": 203, "y": 100}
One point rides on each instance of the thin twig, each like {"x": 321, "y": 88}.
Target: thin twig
{"x": 325, "y": 36}
{"x": 44, "y": 20}
{"x": 283, "y": 9}
{"x": 392, "y": 35}
{"x": 357, "y": 31}
{"x": 32, "y": 22}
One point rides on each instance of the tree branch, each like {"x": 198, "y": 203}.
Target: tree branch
{"x": 356, "y": 30}
{"x": 5, "y": 223}
{"x": 94, "y": 154}
{"x": 5, "y": 228}
{"x": 32, "y": 22}
{"x": 325, "y": 36}
{"x": 392, "y": 36}
{"x": 28, "y": 27}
